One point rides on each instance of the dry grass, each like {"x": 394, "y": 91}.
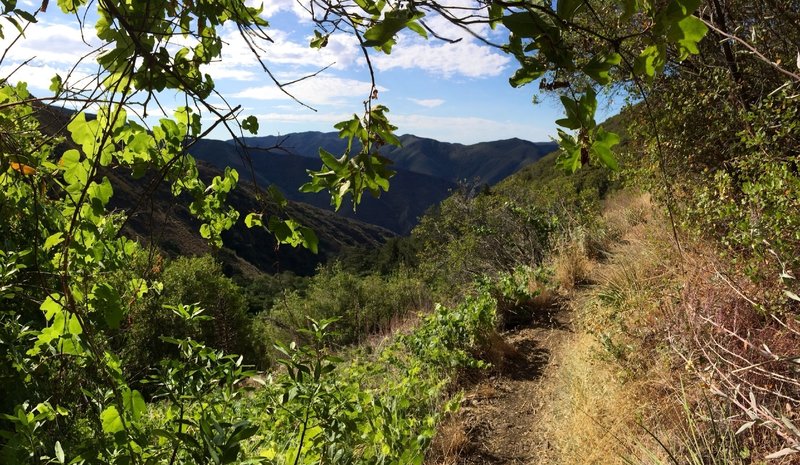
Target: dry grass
{"x": 571, "y": 265}
{"x": 449, "y": 442}
{"x": 611, "y": 377}
{"x": 591, "y": 416}
{"x": 497, "y": 351}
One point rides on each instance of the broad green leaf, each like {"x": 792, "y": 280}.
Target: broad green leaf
{"x": 601, "y": 148}
{"x": 59, "y": 452}
{"x": 526, "y": 24}
{"x": 53, "y": 240}
{"x": 310, "y": 240}
{"x": 111, "y": 420}
{"x": 570, "y": 158}
{"x": 277, "y": 196}
{"x": 319, "y": 40}
{"x": 687, "y": 33}
{"x": 107, "y": 302}
{"x": 56, "y": 84}
{"x": 51, "y": 306}
{"x": 650, "y": 61}
{"x": 528, "y": 73}
{"x": 134, "y": 403}
{"x": 382, "y": 33}
{"x": 253, "y": 219}
{"x": 599, "y": 67}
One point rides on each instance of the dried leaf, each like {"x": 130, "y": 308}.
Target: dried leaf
{"x": 782, "y": 453}
{"x": 745, "y": 427}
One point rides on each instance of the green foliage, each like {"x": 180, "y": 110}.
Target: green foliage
{"x": 158, "y": 314}
{"x": 365, "y": 304}
{"x": 367, "y": 170}
{"x": 397, "y": 253}
{"x": 751, "y": 206}
{"x": 466, "y": 238}
{"x": 373, "y": 410}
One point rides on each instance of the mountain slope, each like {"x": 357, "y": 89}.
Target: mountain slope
{"x": 410, "y": 195}
{"x": 157, "y": 218}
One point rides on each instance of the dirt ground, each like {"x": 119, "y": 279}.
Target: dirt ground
{"x": 497, "y": 423}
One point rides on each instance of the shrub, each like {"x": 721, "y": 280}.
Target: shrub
{"x": 364, "y": 305}
{"x": 194, "y": 280}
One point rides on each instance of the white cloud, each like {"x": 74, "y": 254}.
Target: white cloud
{"x": 464, "y": 58}
{"x": 467, "y": 129}
{"x": 428, "y": 103}
{"x": 311, "y": 117}
{"x": 315, "y": 91}
{"x": 38, "y": 76}
{"x": 49, "y": 44}
{"x": 342, "y": 51}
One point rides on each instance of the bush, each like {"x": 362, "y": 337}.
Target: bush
{"x": 186, "y": 280}
{"x": 365, "y": 304}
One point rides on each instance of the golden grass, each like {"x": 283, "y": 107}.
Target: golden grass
{"x": 449, "y": 442}
{"x": 591, "y": 416}
{"x": 609, "y": 378}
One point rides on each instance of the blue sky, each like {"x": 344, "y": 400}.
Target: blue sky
{"x": 451, "y": 92}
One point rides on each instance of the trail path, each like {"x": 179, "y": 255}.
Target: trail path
{"x": 498, "y": 417}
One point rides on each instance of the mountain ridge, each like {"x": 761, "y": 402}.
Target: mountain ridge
{"x": 490, "y": 161}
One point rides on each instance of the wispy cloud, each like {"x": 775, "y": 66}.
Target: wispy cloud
{"x": 467, "y": 129}
{"x": 49, "y": 44}
{"x": 427, "y": 102}
{"x": 316, "y": 91}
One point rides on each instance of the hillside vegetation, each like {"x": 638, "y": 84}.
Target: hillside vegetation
{"x": 630, "y": 299}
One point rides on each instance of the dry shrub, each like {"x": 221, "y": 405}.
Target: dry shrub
{"x": 448, "y": 443}
{"x": 744, "y": 355}
{"x": 571, "y": 265}
{"x": 496, "y": 350}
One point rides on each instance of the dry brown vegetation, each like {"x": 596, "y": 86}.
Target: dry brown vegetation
{"x": 667, "y": 357}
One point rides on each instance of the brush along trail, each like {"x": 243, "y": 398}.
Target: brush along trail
{"x": 497, "y": 422}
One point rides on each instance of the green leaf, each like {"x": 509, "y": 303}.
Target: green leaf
{"x": 650, "y": 61}
{"x": 250, "y": 124}
{"x": 566, "y": 9}
{"x": 107, "y": 302}
{"x": 602, "y": 145}
{"x": 382, "y": 33}
{"x": 53, "y": 241}
{"x": 319, "y": 40}
{"x": 277, "y": 196}
{"x": 599, "y": 67}
{"x": 111, "y": 420}
{"x": 51, "y": 306}
{"x": 310, "y": 240}
{"x": 531, "y": 71}
{"x": 134, "y": 403}
{"x": 253, "y": 219}
{"x": 527, "y": 24}
{"x": 59, "y": 452}
{"x": 687, "y": 33}
{"x": 570, "y": 158}
{"x": 56, "y": 84}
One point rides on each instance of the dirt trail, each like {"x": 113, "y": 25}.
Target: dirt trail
{"x": 497, "y": 423}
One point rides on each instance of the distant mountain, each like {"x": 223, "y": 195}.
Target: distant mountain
{"x": 157, "y": 218}
{"x": 486, "y": 162}
{"x": 409, "y": 196}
